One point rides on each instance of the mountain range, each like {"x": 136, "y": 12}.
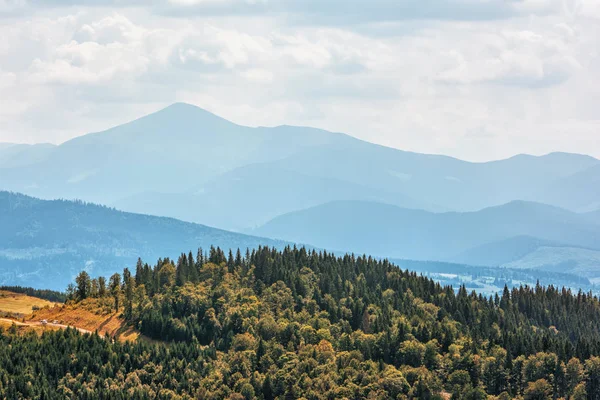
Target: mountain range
{"x": 187, "y": 163}
{"x": 517, "y": 235}
{"x": 298, "y": 184}
{"x": 46, "y": 243}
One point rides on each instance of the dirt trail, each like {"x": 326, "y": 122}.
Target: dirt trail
{"x": 39, "y": 323}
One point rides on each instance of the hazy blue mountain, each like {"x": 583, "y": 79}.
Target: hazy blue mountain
{"x": 168, "y": 151}
{"x": 45, "y": 243}
{"x": 503, "y": 251}
{"x": 575, "y": 260}
{"x": 186, "y": 162}
{"x": 593, "y": 216}
{"x": 18, "y": 155}
{"x": 579, "y": 191}
{"x": 445, "y": 181}
{"x": 250, "y": 196}
{"x": 512, "y": 231}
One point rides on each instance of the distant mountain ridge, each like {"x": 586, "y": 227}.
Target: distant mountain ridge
{"x": 579, "y": 191}
{"x": 202, "y": 167}
{"x": 15, "y": 155}
{"x": 45, "y": 243}
{"x": 503, "y": 251}
{"x": 254, "y": 194}
{"x": 493, "y": 236}
{"x": 593, "y": 216}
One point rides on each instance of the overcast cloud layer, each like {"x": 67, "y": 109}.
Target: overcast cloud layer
{"x": 476, "y": 79}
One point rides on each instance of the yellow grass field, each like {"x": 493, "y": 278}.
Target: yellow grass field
{"x": 92, "y": 315}
{"x": 21, "y": 303}
{"x": 22, "y": 329}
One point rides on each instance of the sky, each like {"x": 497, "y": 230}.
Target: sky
{"x": 474, "y": 79}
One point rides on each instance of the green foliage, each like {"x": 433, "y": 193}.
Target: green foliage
{"x": 84, "y": 285}
{"x": 538, "y": 390}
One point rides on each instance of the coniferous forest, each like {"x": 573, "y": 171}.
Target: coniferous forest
{"x": 290, "y": 324}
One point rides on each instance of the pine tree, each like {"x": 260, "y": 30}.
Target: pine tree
{"x": 83, "y": 285}
{"x": 129, "y": 291}
{"x": 115, "y": 289}
{"x": 181, "y": 272}
{"x": 101, "y": 286}
{"x": 139, "y": 272}
{"x": 192, "y": 269}
{"x": 238, "y": 258}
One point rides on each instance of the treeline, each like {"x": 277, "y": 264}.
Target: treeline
{"x": 50, "y": 295}
{"x": 295, "y": 323}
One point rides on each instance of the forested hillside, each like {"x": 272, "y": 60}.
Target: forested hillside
{"x": 303, "y": 324}
{"x": 44, "y": 243}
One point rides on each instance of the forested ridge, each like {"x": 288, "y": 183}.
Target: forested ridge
{"x": 50, "y": 295}
{"x": 296, "y": 323}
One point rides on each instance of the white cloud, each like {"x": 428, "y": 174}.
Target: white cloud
{"x": 590, "y": 8}
{"x": 522, "y": 58}
{"x": 215, "y": 3}
{"x": 258, "y": 75}
{"x": 223, "y": 47}
{"x": 11, "y": 6}
{"x": 107, "y": 50}
{"x": 454, "y": 85}
{"x": 7, "y": 79}
{"x": 113, "y": 29}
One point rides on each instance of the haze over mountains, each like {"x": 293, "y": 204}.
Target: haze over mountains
{"x": 16, "y": 155}
{"x": 302, "y": 184}
{"x": 46, "y": 243}
{"x": 187, "y": 163}
{"x": 580, "y": 191}
{"x": 517, "y": 235}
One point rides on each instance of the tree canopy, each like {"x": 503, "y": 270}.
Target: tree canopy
{"x": 305, "y": 324}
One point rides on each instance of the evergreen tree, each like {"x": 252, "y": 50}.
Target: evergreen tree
{"x": 115, "y": 289}
{"x": 101, "y": 286}
{"x": 84, "y": 285}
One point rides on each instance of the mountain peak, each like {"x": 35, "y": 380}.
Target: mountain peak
{"x": 183, "y": 116}
{"x": 175, "y": 119}
{"x": 189, "y": 111}
{"x": 181, "y": 106}
{"x": 527, "y": 207}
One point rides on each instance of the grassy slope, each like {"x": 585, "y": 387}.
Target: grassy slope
{"x": 21, "y": 303}
{"x": 91, "y": 314}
